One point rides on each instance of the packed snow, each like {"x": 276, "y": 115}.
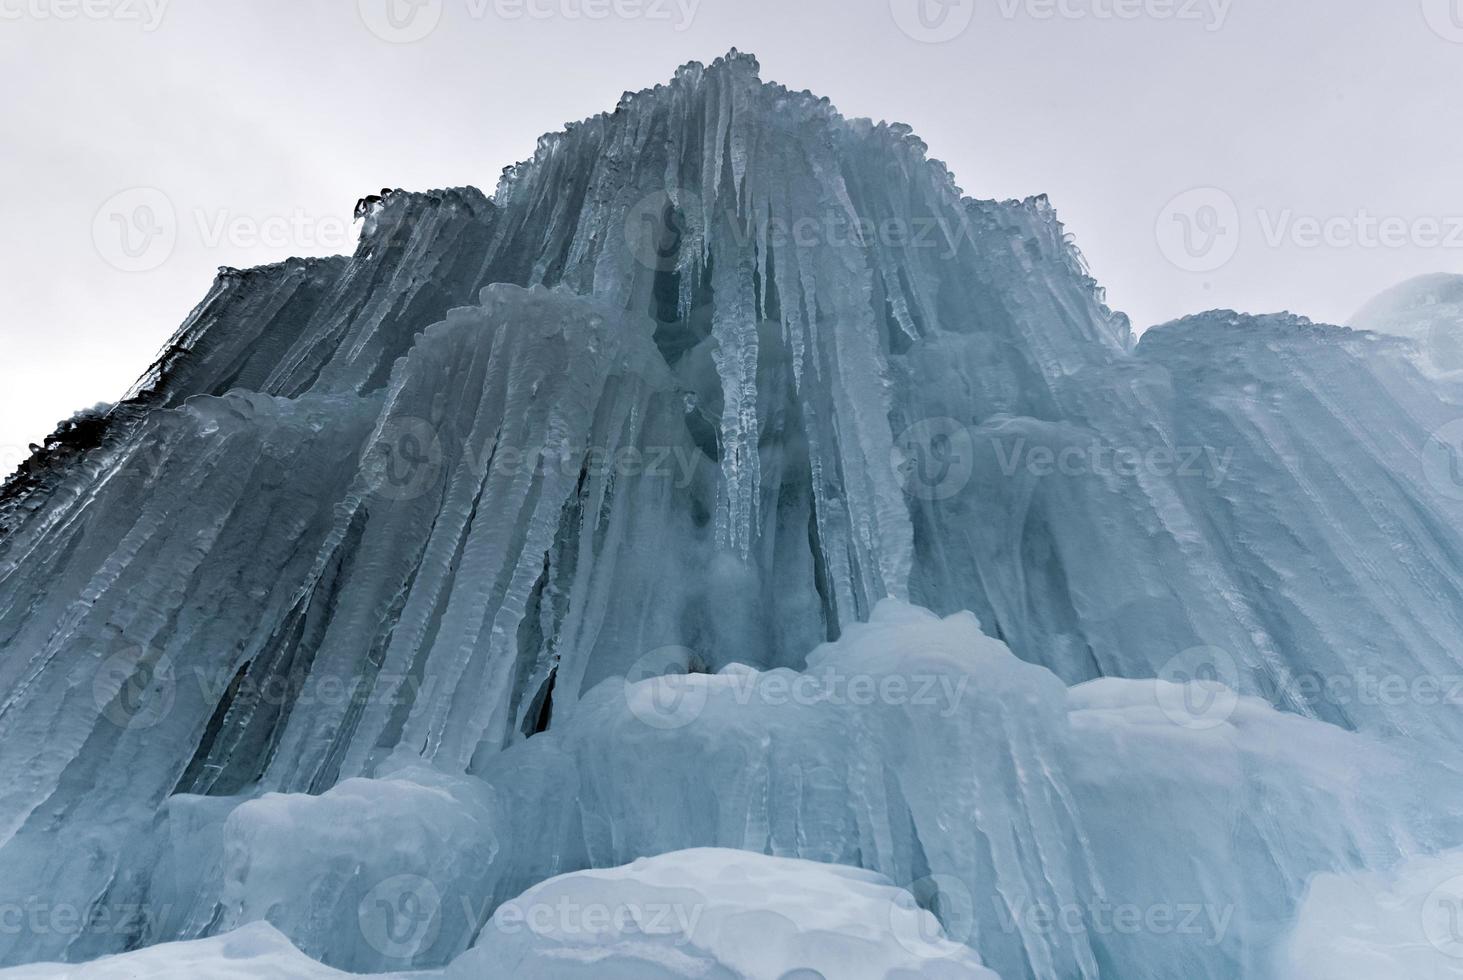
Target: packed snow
{"x": 707, "y": 914}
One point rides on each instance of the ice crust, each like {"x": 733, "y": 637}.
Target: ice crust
{"x": 726, "y": 386}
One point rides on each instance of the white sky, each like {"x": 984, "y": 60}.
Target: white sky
{"x": 284, "y": 112}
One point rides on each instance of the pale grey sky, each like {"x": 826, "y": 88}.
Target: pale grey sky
{"x": 1323, "y": 137}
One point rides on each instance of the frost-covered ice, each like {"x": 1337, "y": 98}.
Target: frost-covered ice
{"x": 1107, "y": 829}
{"x": 1400, "y": 924}
{"x": 1427, "y": 310}
{"x": 256, "y": 952}
{"x": 343, "y": 597}
{"x": 716, "y": 913}
{"x": 707, "y": 914}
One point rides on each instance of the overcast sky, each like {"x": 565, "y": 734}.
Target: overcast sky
{"x": 1254, "y": 154}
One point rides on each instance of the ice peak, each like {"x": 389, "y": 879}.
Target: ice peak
{"x": 364, "y": 598}
{"x": 734, "y": 61}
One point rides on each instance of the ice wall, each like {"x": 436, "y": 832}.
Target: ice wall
{"x": 706, "y": 380}
{"x": 1119, "y": 828}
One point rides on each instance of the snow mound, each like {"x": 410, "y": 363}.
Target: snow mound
{"x": 255, "y": 952}
{"x": 717, "y": 913}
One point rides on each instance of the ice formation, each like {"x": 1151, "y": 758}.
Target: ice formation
{"x": 1427, "y": 310}
{"x": 729, "y": 480}
{"x": 716, "y": 913}
{"x": 711, "y": 913}
{"x": 256, "y": 952}
{"x": 1381, "y": 924}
